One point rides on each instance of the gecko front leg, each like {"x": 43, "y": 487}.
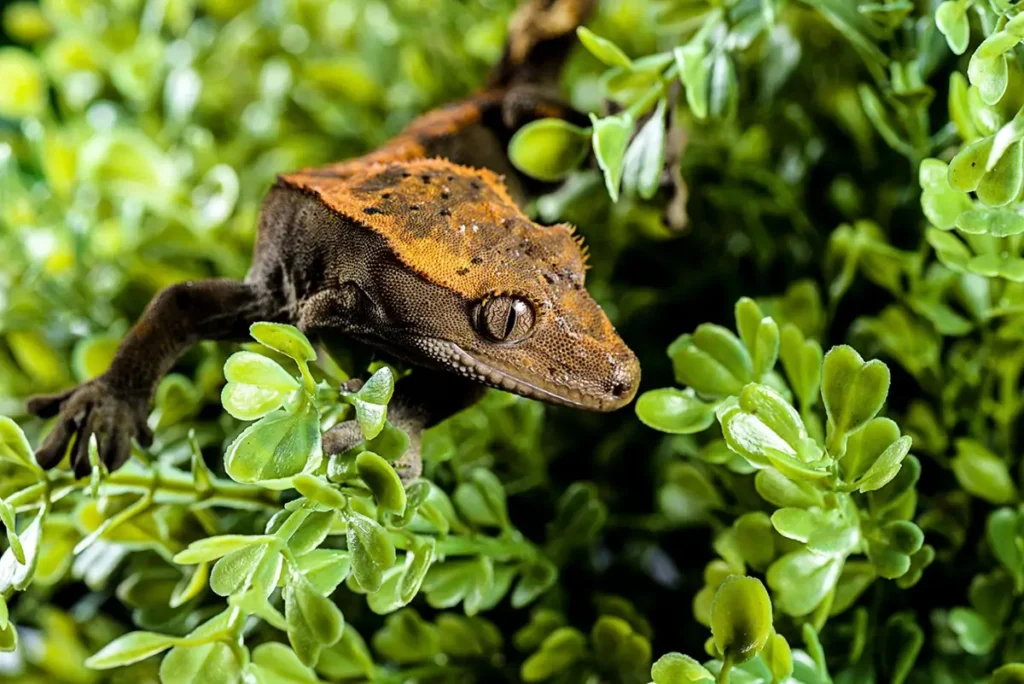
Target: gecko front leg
{"x": 421, "y": 401}
{"x": 115, "y": 405}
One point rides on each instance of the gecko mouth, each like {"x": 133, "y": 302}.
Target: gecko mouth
{"x": 449, "y": 356}
{"x": 458, "y": 360}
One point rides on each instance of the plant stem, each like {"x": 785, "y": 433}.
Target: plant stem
{"x": 723, "y": 674}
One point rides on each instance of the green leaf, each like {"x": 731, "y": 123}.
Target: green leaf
{"x": 604, "y": 49}
{"x": 313, "y": 620}
{"x": 130, "y": 648}
{"x": 693, "y": 72}
{"x": 645, "y": 158}
{"x": 482, "y": 499}
{"x": 853, "y": 391}
{"x": 990, "y": 74}
{"x": 1003, "y": 183}
{"x": 417, "y": 563}
{"x": 885, "y": 466}
{"x": 238, "y": 569}
{"x": 741, "y": 618}
{"x": 723, "y": 91}
{"x": 325, "y": 569}
{"x": 903, "y": 640}
{"x": 1003, "y": 529}
{"x": 765, "y": 429}
{"x": 25, "y": 91}
{"x": 951, "y": 18}
{"x": 371, "y": 550}
{"x": 891, "y": 548}
{"x": 407, "y": 638}
{"x": 778, "y": 657}
{"x": 994, "y": 222}
{"x": 677, "y": 412}
{"x": 777, "y": 489}
{"x": 8, "y": 638}
{"x": 676, "y": 668}
{"x": 951, "y": 251}
{"x": 382, "y": 480}
{"x": 9, "y": 519}
{"x": 795, "y": 523}
{"x": 967, "y": 168}
{"x": 276, "y": 448}
{"x": 255, "y": 369}
{"x": 942, "y": 204}
{"x": 755, "y": 539}
{"x": 318, "y": 490}
{"x": 982, "y": 473}
{"x": 210, "y": 663}
{"x": 1008, "y": 674}
{"x": 14, "y": 446}
{"x": 535, "y": 580}
{"x": 13, "y": 573}
{"x": 801, "y": 580}
{"x": 311, "y": 532}
{"x": 274, "y": 663}
{"x": 371, "y": 402}
{"x": 249, "y": 402}
{"x": 610, "y": 138}
{"x": 211, "y": 548}
{"x": 286, "y": 339}
{"x": 548, "y": 149}
{"x": 760, "y": 335}
{"x": 559, "y": 651}
{"x": 712, "y": 361}
{"x": 975, "y": 635}
{"x": 256, "y": 385}
{"x": 391, "y": 444}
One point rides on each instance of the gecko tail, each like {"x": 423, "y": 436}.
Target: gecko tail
{"x": 540, "y": 35}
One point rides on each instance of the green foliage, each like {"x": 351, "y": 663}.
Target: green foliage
{"x": 816, "y": 205}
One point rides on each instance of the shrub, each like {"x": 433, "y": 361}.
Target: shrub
{"x": 819, "y": 483}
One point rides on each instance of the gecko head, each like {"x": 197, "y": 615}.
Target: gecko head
{"x": 477, "y": 288}
{"x": 553, "y": 344}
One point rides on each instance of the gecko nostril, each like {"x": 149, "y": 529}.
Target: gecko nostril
{"x": 619, "y": 388}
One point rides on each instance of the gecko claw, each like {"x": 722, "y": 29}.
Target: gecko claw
{"x": 93, "y": 408}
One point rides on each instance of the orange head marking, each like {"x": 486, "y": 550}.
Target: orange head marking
{"x": 529, "y": 325}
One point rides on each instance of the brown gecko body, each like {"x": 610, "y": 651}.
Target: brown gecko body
{"x": 418, "y": 249}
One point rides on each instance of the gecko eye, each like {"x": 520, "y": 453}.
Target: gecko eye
{"x": 504, "y": 318}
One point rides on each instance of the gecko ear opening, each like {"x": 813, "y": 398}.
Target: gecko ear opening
{"x": 504, "y": 318}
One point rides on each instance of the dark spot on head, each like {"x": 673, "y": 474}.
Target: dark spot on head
{"x": 618, "y": 389}
{"x": 475, "y": 185}
{"x": 552, "y": 372}
{"x": 406, "y": 174}
{"x": 386, "y": 195}
{"x": 550, "y": 277}
{"x": 446, "y": 212}
{"x": 414, "y": 207}
{"x": 477, "y": 260}
{"x": 462, "y": 271}
{"x": 372, "y": 210}
{"x": 426, "y": 178}
{"x": 451, "y": 178}
{"x": 445, "y": 194}
{"x": 384, "y": 180}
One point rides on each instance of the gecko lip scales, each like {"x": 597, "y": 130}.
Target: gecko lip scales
{"x": 472, "y": 367}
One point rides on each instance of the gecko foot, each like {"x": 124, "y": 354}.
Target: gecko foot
{"x": 346, "y": 435}
{"x": 93, "y": 408}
